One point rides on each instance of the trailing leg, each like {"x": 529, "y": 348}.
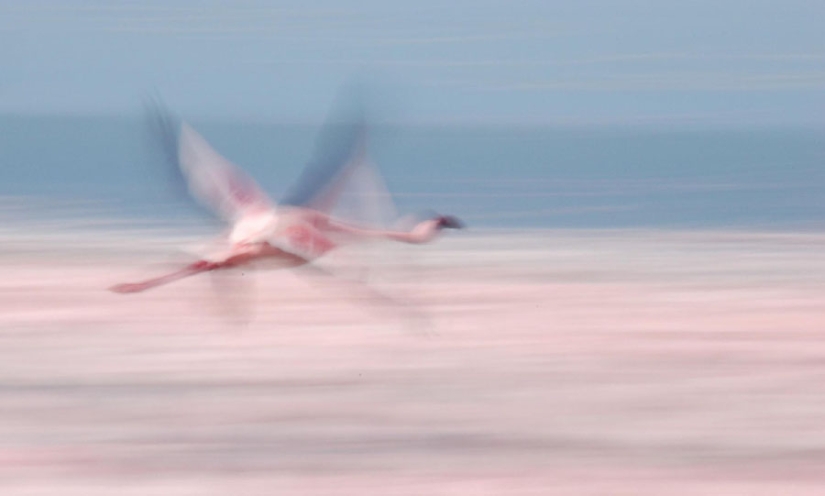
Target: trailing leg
{"x": 189, "y": 270}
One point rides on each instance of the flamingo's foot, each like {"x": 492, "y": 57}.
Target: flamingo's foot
{"x": 129, "y": 287}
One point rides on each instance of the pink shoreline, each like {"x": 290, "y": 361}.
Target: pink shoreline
{"x": 588, "y": 363}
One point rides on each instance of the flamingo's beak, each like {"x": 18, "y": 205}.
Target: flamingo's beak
{"x": 450, "y": 222}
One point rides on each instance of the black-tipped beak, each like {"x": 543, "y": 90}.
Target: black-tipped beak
{"x": 450, "y": 222}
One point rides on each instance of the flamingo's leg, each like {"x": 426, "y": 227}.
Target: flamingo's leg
{"x": 410, "y": 313}
{"x": 189, "y": 270}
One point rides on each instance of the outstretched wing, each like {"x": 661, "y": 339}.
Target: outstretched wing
{"x": 213, "y": 181}
{"x": 340, "y": 180}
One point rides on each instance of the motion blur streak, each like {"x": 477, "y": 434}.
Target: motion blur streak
{"x": 581, "y": 362}
{"x": 636, "y": 307}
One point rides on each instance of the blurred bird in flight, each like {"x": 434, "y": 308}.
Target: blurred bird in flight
{"x": 304, "y": 225}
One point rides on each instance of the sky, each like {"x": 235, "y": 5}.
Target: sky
{"x": 649, "y": 62}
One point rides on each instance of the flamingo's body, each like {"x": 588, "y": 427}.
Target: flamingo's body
{"x": 292, "y": 234}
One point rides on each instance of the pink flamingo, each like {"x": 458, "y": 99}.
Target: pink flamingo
{"x": 293, "y": 233}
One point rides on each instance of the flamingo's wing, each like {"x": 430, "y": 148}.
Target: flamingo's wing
{"x": 340, "y": 180}
{"x": 214, "y": 181}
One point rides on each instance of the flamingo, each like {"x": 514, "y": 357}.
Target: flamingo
{"x": 295, "y": 232}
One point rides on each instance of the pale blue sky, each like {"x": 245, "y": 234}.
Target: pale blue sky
{"x": 714, "y": 62}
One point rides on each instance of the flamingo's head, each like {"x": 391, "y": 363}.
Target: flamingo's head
{"x": 449, "y": 222}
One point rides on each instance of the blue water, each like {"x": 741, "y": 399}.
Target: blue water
{"x": 493, "y": 176}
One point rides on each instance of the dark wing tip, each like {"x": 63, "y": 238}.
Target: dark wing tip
{"x": 338, "y": 141}
{"x": 336, "y": 146}
{"x": 164, "y": 128}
